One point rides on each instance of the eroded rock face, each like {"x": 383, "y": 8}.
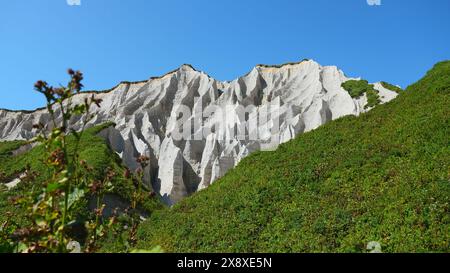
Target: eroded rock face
{"x": 148, "y": 120}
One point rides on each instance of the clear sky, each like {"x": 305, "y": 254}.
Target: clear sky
{"x": 118, "y": 40}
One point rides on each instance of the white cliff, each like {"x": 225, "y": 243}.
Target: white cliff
{"x": 299, "y": 97}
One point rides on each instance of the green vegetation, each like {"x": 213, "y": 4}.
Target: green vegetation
{"x": 7, "y": 147}
{"x": 59, "y": 204}
{"x": 373, "y": 99}
{"x": 383, "y": 176}
{"x": 391, "y": 87}
{"x": 358, "y": 88}
{"x": 93, "y": 150}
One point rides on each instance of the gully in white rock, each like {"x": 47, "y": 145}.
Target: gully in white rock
{"x": 195, "y": 128}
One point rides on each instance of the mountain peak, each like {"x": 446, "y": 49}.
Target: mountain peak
{"x": 148, "y": 117}
{"x": 187, "y": 67}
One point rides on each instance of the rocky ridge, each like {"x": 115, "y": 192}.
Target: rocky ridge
{"x": 298, "y": 98}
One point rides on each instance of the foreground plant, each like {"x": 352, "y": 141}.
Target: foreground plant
{"x": 52, "y": 208}
{"x": 58, "y": 218}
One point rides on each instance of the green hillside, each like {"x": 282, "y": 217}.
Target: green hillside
{"x": 383, "y": 176}
{"x": 93, "y": 149}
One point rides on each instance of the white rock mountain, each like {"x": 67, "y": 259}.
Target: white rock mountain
{"x": 146, "y": 116}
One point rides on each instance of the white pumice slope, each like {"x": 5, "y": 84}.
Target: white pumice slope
{"x": 147, "y": 119}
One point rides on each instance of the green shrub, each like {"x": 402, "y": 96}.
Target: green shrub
{"x": 373, "y": 98}
{"x": 358, "y": 88}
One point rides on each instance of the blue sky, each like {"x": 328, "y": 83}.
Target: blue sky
{"x": 115, "y": 40}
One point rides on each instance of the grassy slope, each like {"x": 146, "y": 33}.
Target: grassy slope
{"x": 383, "y": 176}
{"x": 93, "y": 149}
{"x": 7, "y": 147}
